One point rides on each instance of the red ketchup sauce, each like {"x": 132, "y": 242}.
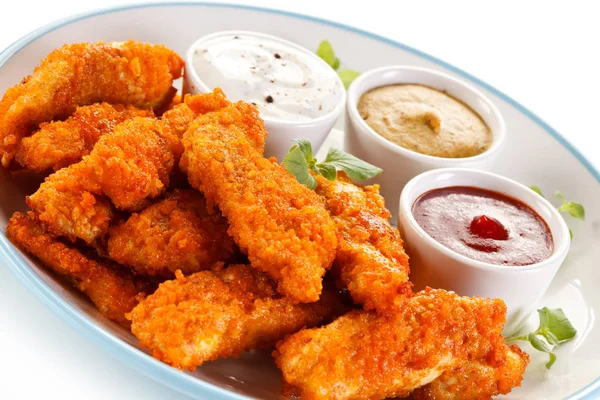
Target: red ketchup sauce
{"x": 484, "y": 225}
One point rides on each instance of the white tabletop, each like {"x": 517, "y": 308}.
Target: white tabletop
{"x": 544, "y": 56}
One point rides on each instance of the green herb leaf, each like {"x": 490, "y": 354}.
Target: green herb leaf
{"x": 554, "y": 329}
{"x": 347, "y": 76}
{"x": 537, "y": 190}
{"x": 325, "y": 51}
{"x": 571, "y": 233}
{"x": 552, "y": 360}
{"x": 306, "y": 147}
{"x": 297, "y": 163}
{"x": 300, "y": 162}
{"x": 354, "y": 167}
{"x": 555, "y": 321}
{"x": 575, "y": 210}
{"x": 326, "y": 170}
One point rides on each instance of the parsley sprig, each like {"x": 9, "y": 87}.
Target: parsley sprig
{"x": 575, "y": 210}
{"x": 300, "y": 162}
{"x": 554, "y": 330}
{"x": 325, "y": 51}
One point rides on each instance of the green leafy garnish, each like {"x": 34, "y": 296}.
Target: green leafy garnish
{"x": 575, "y": 210}
{"x": 300, "y": 162}
{"x": 325, "y": 51}
{"x": 554, "y": 329}
{"x": 347, "y": 76}
{"x": 537, "y": 190}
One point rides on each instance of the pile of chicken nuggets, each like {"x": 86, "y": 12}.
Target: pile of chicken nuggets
{"x": 166, "y": 214}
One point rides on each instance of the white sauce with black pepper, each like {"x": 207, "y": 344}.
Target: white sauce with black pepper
{"x": 285, "y": 82}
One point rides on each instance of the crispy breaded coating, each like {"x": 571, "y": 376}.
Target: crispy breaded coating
{"x": 61, "y": 143}
{"x": 221, "y": 313}
{"x": 129, "y": 167}
{"x": 365, "y": 355}
{"x": 136, "y": 73}
{"x": 175, "y": 233}
{"x": 282, "y": 225}
{"x": 478, "y": 379}
{"x": 134, "y": 163}
{"x": 370, "y": 261}
{"x": 182, "y": 115}
{"x": 112, "y": 289}
{"x": 70, "y": 203}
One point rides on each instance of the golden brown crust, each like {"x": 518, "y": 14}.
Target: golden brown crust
{"x": 370, "y": 261}
{"x": 365, "y": 355}
{"x": 61, "y": 143}
{"x": 479, "y": 379}
{"x": 282, "y": 225}
{"x": 129, "y": 167}
{"x": 74, "y": 75}
{"x": 175, "y": 233}
{"x": 112, "y": 289}
{"x": 220, "y": 313}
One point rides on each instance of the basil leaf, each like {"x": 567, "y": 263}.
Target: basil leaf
{"x": 554, "y": 329}
{"x": 326, "y": 170}
{"x": 296, "y": 162}
{"x": 306, "y": 147}
{"x": 347, "y": 76}
{"x": 556, "y": 323}
{"x": 354, "y": 167}
{"x": 560, "y": 196}
{"x": 539, "y": 343}
{"x": 325, "y": 51}
{"x": 537, "y": 190}
{"x": 575, "y": 210}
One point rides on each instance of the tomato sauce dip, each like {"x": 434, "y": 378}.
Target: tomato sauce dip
{"x": 484, "y": 225}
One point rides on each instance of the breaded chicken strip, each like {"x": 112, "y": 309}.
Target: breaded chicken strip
{"x": 180, "y": 117}
{"x": 478, "y": 379}
{"x": 365, "y": 355}
{"x": 112, "y": 289}
{"x": 370, "y": 261}
{"x": 129, "y": 167}
{"x": 221, "y": 313}
{"x": 71, "y": 205}
{"x": 175, "y": 233}
{"x": 282, "y": 225}
{"x": 61, "y": 143}
{"x": 131, "y": 72}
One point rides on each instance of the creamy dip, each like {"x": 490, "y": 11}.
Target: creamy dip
{"x": 285, "y": 81}
{"x": 425, "y": 120}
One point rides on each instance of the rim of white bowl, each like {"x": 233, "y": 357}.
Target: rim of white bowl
{"x": 561, "y": 248}
{"x": 333, "y": 114}
{"x": 352, "y": 109}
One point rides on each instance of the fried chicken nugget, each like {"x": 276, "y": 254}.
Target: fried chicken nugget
{"x": 477, "y": 379}
{"x": 370, "y": 261}
{"x": 129, "y": 167}
{"x": 112, "y": 289}
{"x": 221, "y": 313}
{"x": 175, "y": 233}
{"x": 282, "y": 225}
{"x": 365, "y": 355}
{"x": 61, "y": 143}
{"x": 131, "y": 72}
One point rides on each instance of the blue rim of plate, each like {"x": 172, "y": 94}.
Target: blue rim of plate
{"x": 141, "y": 361}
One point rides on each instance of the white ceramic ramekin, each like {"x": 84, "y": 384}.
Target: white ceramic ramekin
{"x": 281, "y": 133}
{"x": 433, "y": 264}
{"x": 399, "y": 164}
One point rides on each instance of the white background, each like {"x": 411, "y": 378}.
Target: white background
{"x": 546, "y": 55}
